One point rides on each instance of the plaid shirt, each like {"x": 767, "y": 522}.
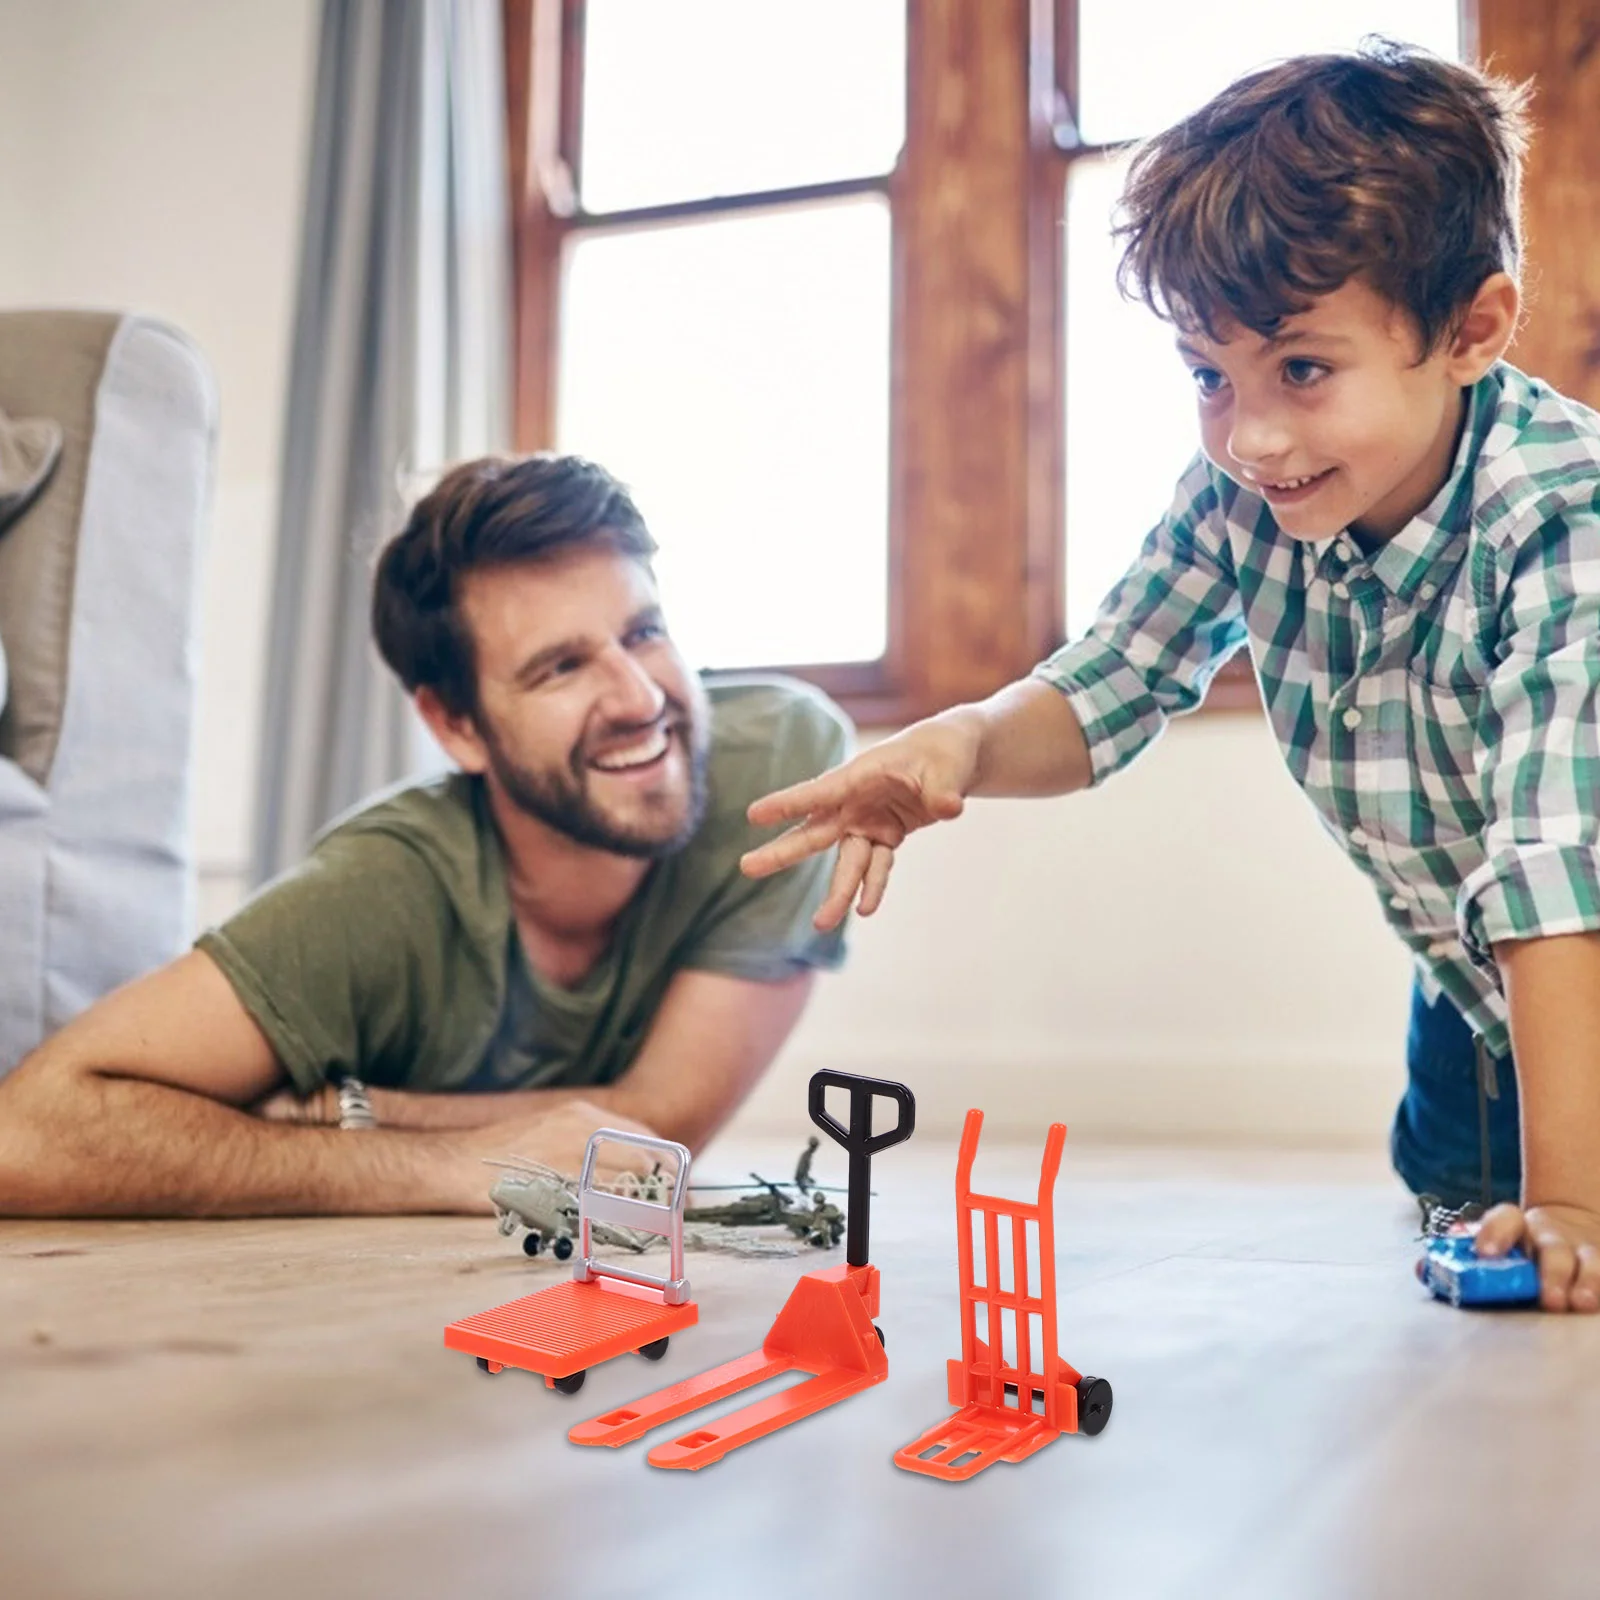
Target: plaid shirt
{"x": 1435, "y": 697}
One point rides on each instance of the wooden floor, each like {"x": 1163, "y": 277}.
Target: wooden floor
{"x": 234, "y": 1410}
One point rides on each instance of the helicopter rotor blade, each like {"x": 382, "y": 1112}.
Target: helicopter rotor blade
{"x": 543, "y": 1166}
{"x": 811, "y": 1188}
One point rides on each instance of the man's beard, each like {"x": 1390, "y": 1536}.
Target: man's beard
{"x": 559, "y": 797}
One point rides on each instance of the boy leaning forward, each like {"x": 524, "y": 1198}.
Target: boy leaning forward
{"x": 1404, "y": 530}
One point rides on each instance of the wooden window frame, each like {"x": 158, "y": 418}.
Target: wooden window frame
{"x": 974, "y": 460}
{"x": 1556, "y": 44}
{"x": 977, "y": 433}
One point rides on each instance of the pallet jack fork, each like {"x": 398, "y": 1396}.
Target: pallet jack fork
{"x": 603, "y": 1310}
{"x": 994, "y": 1422}
{"x": 825, "y": 1328}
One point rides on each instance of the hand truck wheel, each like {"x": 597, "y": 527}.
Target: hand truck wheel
{"x": 1094, "y": 1405}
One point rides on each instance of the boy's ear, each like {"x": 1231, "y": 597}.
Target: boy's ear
{"x": 457, "y": 736}
{"x": 1485, "y": 329}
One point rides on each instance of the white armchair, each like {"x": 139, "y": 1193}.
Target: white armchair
{"x": 98, "y": 602}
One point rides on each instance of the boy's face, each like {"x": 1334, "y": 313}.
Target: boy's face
{"x": 1333, "y": 421}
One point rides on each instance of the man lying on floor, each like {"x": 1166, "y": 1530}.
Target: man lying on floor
{"x": 555, "y": 938}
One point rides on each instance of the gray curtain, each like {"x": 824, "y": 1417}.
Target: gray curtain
{"x": 400, "y": 365}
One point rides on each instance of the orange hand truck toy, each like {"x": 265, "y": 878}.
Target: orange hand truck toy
{"x": 603, "y": 1310}
{"x": 825, "y": 1328}
{"x": 995, "y": 1423}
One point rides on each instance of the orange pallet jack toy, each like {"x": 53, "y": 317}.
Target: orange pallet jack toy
{"x": 603, "y": 1310}
{"x": 994, "y": 1423}
{"x": 825, "y": 1328}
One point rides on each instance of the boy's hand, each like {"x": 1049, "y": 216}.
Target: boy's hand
{"x": 867, "y": 807}
{"x": 1563, "y": 1239}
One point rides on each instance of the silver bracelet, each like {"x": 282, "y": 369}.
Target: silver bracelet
{"x": 355, "y": 1106}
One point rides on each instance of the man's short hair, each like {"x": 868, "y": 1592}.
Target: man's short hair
{"x": 1385, "y": 163}
{"x": 493, "y": 512}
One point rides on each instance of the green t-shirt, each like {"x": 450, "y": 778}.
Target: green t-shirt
{"x": 392, "y": 952}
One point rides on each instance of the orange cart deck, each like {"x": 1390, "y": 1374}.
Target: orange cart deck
{"x": 604, "y": 1309}
{"x": 569, "y": 1327}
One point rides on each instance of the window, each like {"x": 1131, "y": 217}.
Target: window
{"x": 727, "y": 351}
{"x": 774, "y": 266}
{"x": 736, "y": 98}
{"x": 735, "y": 371}
{"x": 706, "y": 302}
{"x": 831, "y": 285}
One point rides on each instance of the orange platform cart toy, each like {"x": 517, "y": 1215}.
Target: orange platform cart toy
{"x": 1014, "y": 1399}
{"x": 603, "y": 1310}
{"x": 825, "y": 1329}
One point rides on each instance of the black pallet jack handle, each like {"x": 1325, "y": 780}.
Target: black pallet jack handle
{"x": 859, "y": 1143}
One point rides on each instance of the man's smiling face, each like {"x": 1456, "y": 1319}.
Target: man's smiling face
{"x": 1334, "y": 421}
{"x": 588, "y": 718}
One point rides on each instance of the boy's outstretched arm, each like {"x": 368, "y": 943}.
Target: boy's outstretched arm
{"x": 1023, "y": 740}
{"x": 1553, "y": 989}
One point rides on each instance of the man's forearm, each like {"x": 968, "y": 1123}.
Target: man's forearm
{"x": 1553, "y": 989}
{"x": 1030, "y": 742}
{"x": 97, "y": 1145}
{"x": 442, "y": 1111}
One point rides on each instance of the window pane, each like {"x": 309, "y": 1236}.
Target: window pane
{"x": 718, "y": 97}
{"x": 1130, "y": 407}
{"x": 1146, "y": 65}
{"x": 735, "y": 373}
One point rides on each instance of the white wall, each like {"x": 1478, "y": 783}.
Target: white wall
{"x": 152, "y": 158}
{"x": 1180, "y": 955}
{"x": 22, "y": 145}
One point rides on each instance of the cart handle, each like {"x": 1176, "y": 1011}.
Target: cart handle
{"x": 859, "y": 1143}
{"x": 626, "y": 1211}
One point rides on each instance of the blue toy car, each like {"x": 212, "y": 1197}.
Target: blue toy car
{"x": 1451, "y": 1270}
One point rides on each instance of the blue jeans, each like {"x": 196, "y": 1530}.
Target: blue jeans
{"x": 1437, "y": 1142}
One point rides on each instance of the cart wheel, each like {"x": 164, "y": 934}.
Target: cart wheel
{"x": 655, "y": 1349}
{"x": 1094, "y": 1405}
{"x": 532, "y": 1244}
{"x": 484, "y": 1365}
{"x": 561, "y": 1249}
{"x": 570, "y": 1384}
{"x": 882, "y": 1342}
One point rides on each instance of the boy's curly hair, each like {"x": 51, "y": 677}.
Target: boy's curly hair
{"x": 1387, "y": 163}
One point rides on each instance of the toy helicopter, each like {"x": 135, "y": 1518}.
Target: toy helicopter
{"x": 530, "y": 1195}
{"x": 821, "y": 1223}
